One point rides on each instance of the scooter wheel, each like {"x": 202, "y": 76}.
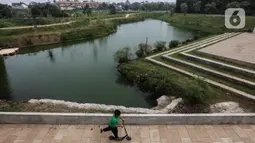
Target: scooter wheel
{"x": 111, "y": 138}
{"x": 128, "y": 138}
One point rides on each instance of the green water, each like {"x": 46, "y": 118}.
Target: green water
{"x": 82, "y": 72}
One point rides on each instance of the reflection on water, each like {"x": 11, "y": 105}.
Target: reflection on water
{"x": 5, "y": 90}
{"x": 84, "y": 71}
{"x": 51, "y": 56}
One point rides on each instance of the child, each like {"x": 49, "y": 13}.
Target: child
{"x": 113, "y": 124}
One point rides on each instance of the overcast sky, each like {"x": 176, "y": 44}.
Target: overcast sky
{"x": 27, "y": 1}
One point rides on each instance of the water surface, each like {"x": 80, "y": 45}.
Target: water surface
{"x": 82, "y": 72}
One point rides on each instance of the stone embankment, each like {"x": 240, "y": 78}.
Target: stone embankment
{"x": 167, "y": 108}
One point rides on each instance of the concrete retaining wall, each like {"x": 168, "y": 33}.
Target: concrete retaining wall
{"x": 212, "y": 72}
{"x": 218, "y": 64}
{"x": 132, "y": 119}
{"x": 241, "y": 63}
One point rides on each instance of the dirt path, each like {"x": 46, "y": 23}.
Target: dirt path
{"x": 55, "y": 24}
{"x": 48, "y": 25}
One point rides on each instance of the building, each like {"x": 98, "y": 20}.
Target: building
{"x": 127, "y": 3}
{"x": 72, "y": 4}
{"x": 19, "y": 6}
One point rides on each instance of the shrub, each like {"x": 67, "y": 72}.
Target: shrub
{"x": 184, "y": 43}
{"x": 248, "y": 30}
{"x": 197, "y": 92}
{"x": 160, "y": 81}
{"x": 160, "y": 45}
{"x": 143, "y": 50}
{"x": 4, "y": 23}
{"x": 123, "y": 55}
{"x": 196, "y": 37}
{"x": 189, "y": 40}
{"x": 174, "y": 43}
{"x": 27, "y": 41}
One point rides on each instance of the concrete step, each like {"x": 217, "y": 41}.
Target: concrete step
{"x": 220, "y": 85}
{"x": 200, "y": 42}
{"x": 210, "y": 71}
{"x": 227, "y": 60}
{"x": 213, "y": 72}
{"x": 220, "y": 65}
{"x": 189, "y": 45}
{"x": 205, "y": 43}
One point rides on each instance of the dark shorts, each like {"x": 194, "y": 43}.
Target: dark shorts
{"x": 113, "y": 129}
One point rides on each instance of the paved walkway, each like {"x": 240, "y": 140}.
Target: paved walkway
{"x": 140, "y": 134}
{"x": 240, "y": 47}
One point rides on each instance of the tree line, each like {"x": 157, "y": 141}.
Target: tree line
{"x": 34, "y": 10}
{"x": 214, "y": 6}
{"x": 152, "y": 6}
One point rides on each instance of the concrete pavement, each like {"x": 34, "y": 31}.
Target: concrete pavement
{"x": 23, "y": 133}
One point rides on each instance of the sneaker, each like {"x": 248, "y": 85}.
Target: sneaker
{"x": 118, "y": 139}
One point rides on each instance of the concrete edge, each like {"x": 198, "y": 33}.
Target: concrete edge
{"x": 224, "y": 59}
{"x": 220, "y": 65}
{"x": 213, "y": 72}
{"x": 132, "y": 119}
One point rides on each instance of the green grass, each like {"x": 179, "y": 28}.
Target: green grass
{"x": 26, "y": 21}
{"x": 80, "y": 30}
{"x": 208, "y": 24}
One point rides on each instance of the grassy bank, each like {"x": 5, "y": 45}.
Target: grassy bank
{"x": 161, "y": 81}
{"x": 204, "y": 23}
{"x": 79, "y": 30}
{"x": 197, "y": 94}
{"x": 12, "y": 22}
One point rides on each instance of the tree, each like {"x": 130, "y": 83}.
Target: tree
{"x": 135, "y": 6}
{"x": 89, "y": 12}
{"x": 54, "y": 10}
{"x": 123, "y": 55}
{"x": 197, "y": 6}
{"x": 112, "y": 9}
{"x": 143, "y": 8}
{"x": 143, "y": 50}
{"x": 174, "y": 43}
{"x": 160, "y": 45}
{"x": 210, "y": 8}
{"x": 233, "y": 4}
{"x": 36, "y": 13}
{"x": 236, "y": 4}
{"x": 245, "y": 4}
{"x": 6, "y": 11}
{"x": 184, "y": 8}
{"x": 126, "y": 7}
{"x": 85, "y": 9}
{"x": 171, "y": 11}
{"x": 104, "y": 5}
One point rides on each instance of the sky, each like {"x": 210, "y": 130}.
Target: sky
{"x": 28, "y": 1}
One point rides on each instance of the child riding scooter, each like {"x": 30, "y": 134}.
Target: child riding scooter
{"x": 112, "y": 126}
